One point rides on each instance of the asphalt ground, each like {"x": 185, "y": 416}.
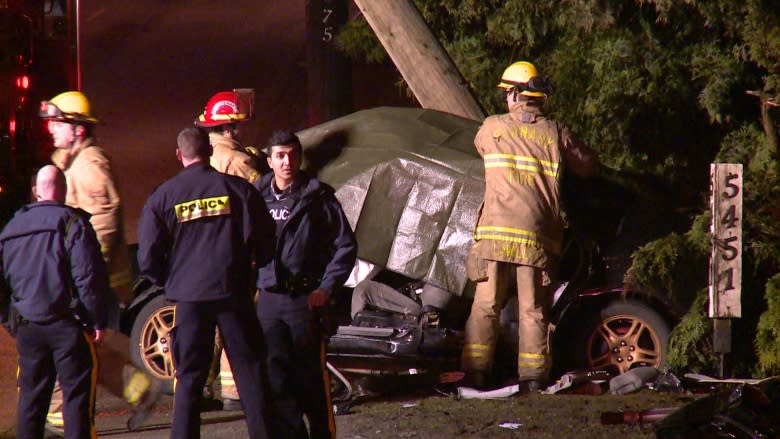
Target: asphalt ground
{"x": 112, "y": 412}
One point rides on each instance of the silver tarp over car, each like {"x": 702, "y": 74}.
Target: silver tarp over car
{"x": 411, "y": 184}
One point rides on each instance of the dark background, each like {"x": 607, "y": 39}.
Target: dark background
{"x": 149, "y": 66}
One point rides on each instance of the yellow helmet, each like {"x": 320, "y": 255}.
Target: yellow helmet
{"x": 71, "y": 106}
{"x": 523, "y": 75}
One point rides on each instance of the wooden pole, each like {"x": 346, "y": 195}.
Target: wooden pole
{"x": 424, "y": 64}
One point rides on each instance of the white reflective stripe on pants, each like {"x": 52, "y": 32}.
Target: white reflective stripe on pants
{"x": 482, "y": 327}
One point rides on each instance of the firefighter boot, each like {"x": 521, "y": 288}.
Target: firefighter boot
{"x": 142, "y": 392}
{"x": 55, "y": 424}
{"x": 476, "y": 379}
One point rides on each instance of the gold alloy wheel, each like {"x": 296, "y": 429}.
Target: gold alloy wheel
{"x": 155, "y": 343}
{"x": 624, "y": 341}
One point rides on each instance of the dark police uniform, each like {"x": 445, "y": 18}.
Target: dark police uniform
{"x": 197, "y": 234}
{"x": 50, "y": 258}
{"x": 315, "y": 249}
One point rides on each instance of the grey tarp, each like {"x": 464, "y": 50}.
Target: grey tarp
{"x": 411, "y": 184}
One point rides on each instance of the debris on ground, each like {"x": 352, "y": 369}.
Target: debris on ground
{"x": 636, "y": 417}
{"x": 746, "y": 411}
{"x": 510, "y": 425}
{"x": 632, "y": 380}
{"x": 697, "y": 406}
{"x": 502, "y": 392}
{"x": 580, "y": 383}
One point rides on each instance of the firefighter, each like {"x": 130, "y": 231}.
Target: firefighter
{"x": 197, "y": 236}
{"x": 50, "y": 258}
{"x": 92, "y": 188}
{"x": 520, "y": 226}
{"x": 221, "y": 116}
{"x": 315, "y": 252}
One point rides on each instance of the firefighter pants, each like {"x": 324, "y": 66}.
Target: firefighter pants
{"x": 45, "y": 351}
{"x": 116, "y": 373}
{"x": 482, "y": 327}
{"x": 193, "y": 349}
{"x": 220, "y": 368}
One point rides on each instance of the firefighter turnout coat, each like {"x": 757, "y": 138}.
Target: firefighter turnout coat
{"x": 92, "y": 188}
{"x": 519, "y": 232}
{"x": 231, "y": 158}
{"x": 524, "y": 154}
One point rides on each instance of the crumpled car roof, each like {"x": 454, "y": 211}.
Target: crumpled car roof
{"x": 411, "y": 184}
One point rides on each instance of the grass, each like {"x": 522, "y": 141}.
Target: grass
{"x": 540, "y": 416}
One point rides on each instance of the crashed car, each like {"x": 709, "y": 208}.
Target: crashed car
{"x": 411, "y": 184}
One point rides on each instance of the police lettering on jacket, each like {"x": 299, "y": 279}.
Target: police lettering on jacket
{"x": 203, "y": 218}
{"x": 280, "y": 213}
{"x": 314, "y": 238}
{"x": 204, "y": 207}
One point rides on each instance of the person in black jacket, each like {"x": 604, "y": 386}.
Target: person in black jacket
{"x": 315, "y": 252}
{"x": 51, "y": 262}
{"x": 198, "y": 235}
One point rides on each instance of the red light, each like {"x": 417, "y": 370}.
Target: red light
{"x": 12, "y": 127}
{"x": 23, "y": 82}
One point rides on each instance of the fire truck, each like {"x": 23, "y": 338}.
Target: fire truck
{"x": 38, "y": 59}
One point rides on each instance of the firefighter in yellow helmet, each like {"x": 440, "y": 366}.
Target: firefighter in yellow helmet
{"x": 520, "y": 228}
{"x": 92, "y": 188}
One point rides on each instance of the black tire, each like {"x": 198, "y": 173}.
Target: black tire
{"x": 150, "y": 342}
{"x": 624, "y": 334}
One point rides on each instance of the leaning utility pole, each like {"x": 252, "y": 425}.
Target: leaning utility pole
{"x": 424, "y": 64}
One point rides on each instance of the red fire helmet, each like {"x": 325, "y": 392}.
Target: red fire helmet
{"x": 228, "y": 107}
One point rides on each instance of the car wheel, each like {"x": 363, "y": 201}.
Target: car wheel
{"x": 150, "y": 341}
{"x": 627, "y": 334}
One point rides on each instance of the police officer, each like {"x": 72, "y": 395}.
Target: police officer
{"x": 50, "y": 259}
{"x": 93, "y": 188}
{"x": 221, "y": 116}
{"x": 197, "y": 235}
{"x": 315, "y": 252}
{"x": 520, "y": 227}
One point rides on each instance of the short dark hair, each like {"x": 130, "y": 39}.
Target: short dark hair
{"x": 193, "y": 142}
{"x": 283, "y": 137}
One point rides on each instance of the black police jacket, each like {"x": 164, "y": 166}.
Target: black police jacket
{"x": 316, "y": 243}
{"x": 199, "y": 232}
{"x": 50, "y": 258}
